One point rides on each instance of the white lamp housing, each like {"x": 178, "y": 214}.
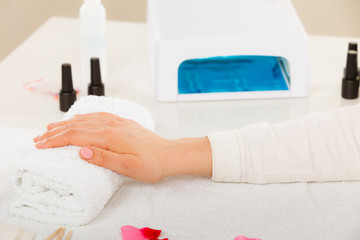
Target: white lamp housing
{"x": 180, "y": 30}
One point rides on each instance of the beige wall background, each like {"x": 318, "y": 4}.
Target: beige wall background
{"x": 19, "y": 18}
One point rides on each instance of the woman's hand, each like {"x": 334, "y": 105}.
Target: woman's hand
{"x": 126, "y": 147}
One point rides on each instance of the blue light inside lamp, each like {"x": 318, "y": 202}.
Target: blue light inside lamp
{"x": 233, "y": 74}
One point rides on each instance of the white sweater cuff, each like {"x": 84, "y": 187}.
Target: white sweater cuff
{"x": 228, "y": 156}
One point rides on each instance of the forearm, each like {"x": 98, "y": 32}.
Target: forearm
{"x": 319, "y": 147}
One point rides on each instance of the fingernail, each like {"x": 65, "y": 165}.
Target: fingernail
{"x": 36, "y": 139}
{"x": 51, "y": 125}
{"x": 39, "y": 144}
{"x": 86, "y": 153}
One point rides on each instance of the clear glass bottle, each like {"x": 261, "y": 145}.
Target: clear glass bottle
{"x": 93, "y": 39}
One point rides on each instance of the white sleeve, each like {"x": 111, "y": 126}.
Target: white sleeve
{"x": 320, "y": 147}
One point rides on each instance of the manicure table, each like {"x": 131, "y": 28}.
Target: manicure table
{"x": 57, "y": 41}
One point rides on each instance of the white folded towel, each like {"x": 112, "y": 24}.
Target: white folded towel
{"x": 193, "y": 208}
{"x": 57, "y": 186}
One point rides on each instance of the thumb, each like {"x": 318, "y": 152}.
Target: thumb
{"x": 104, "y": 158}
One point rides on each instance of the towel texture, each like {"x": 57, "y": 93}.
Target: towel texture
{"x": 192, "y": 208}
{"x": 57, "y": 186}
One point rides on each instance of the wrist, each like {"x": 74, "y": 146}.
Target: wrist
{"x": 189, "y": 156}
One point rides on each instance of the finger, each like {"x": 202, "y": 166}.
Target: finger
{"x": 98, "y": 114}
{"x": 49, "y": 133}
{"x": 93, "y": 117}
{"x": 75, "y": 136}
{"x": 73, "y": 120}
{"x": 92, "y": 125}
{"x": 120, "y": 163}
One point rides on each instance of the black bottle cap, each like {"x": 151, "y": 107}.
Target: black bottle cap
{"x": 353, "y": 46}
{"x": 67, "y": 95}
{"x": 96, "y": 87}
{"x": 350, "y": 82}
{"x": 351, "y": 71}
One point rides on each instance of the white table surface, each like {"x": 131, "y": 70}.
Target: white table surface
{"x": 57, "y": 42}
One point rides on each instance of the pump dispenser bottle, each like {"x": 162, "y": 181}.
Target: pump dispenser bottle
{"x": 93, "y": 39}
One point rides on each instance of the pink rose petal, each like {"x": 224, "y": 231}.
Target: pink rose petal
{"x": 245, "y": 238}
{"x": 133, "y": 233}
{"x": 150, "y": 233}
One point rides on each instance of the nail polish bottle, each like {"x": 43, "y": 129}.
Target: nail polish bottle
{"x": 67, "y": 95}
{"x": 96, "y": 87}
{"x": 350, "y": 81}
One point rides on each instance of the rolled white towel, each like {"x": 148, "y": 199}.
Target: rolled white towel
{"x": 121, "y": 107}
{"x": 57, "y": 186}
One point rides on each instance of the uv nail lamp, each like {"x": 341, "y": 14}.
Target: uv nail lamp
{"x": 227, "y": 49}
